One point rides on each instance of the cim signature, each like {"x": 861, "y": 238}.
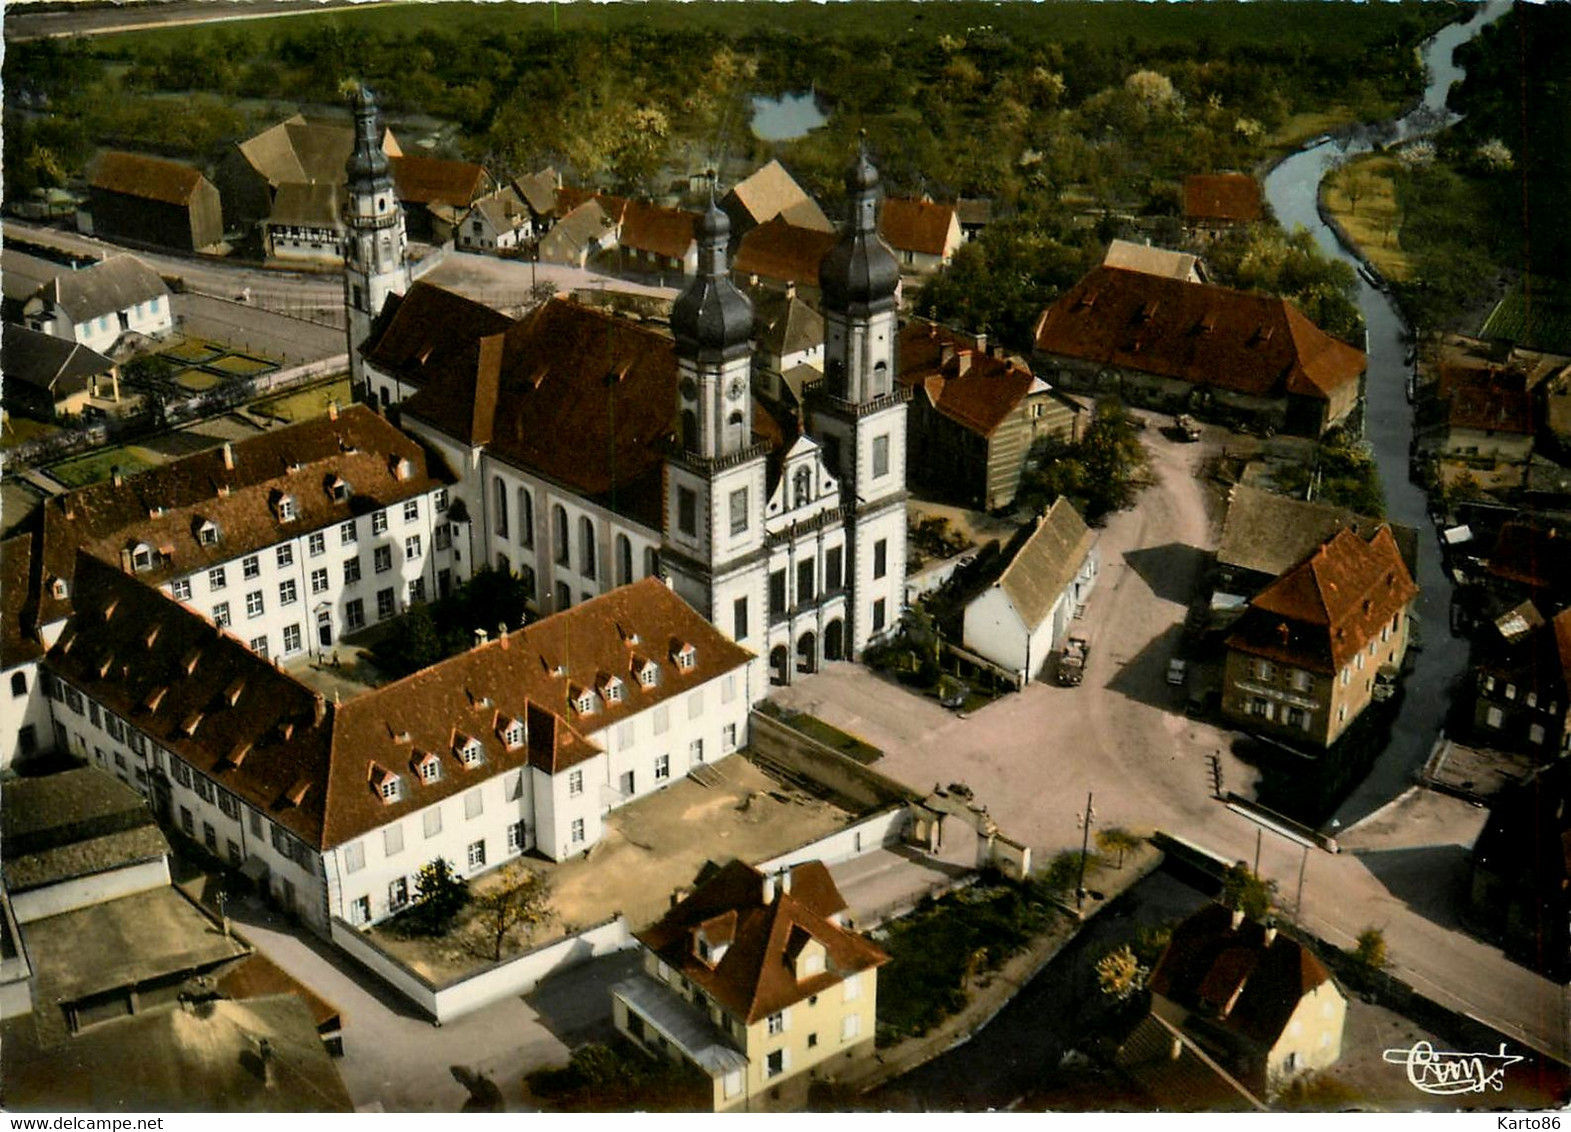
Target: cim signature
{"x": 1444, "y": 1073}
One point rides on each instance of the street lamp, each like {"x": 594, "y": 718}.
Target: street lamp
{"x": 1085, "y": 848}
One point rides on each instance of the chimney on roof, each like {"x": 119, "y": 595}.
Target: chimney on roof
{"x": 115, "y": 477}
{"x": 480, "y": 637}
{"x": 319, "y": 709}
{"x": 229, "y": 456}
{"x": 790, "y": 291}
{"x": 125, "y": 560}
{"x": 768, "y": 894}
{"x": 785, "y": 879}
{"x": 946, "y": 353}
{"x": 1270, "y": 933}
{"x": 963, "y": 362}
{"x": 1237, "y": 920}
{"x": 980, "y": 338}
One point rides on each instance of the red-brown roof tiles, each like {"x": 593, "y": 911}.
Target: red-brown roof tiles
{"x": 165, "y": 507}
{"x": 659, "y": 231}
{"x": 1196, "y": 332}
{"x": 973, "y": 388}
{"x": 1232, "y": 198}
{"x": 1487, "y": 402}
{"x": 918, "y": 225}
{"x": 148, "y": 177}
{"x": 432, "y": 180}
{"x": 19, "y": 641}
{"x": 428, "y": 329}
{"x": 1328, "y": 607}
{"x": 778, "y": 250}
{"x": 755, "y": 977}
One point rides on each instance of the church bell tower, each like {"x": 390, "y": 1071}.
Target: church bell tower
{"x": 375, "y": 263}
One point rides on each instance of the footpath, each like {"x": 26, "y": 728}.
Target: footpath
{"x": 991, "y": 991}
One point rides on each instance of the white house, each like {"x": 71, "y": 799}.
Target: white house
{"x": 495, "y": 223}
{"x": 923, "y": 234}
{"x": 1022, "y": 617}
{"x": 521, "y": 743}
{"x": 96, "y": 305}
{"x": 24, "y": 711}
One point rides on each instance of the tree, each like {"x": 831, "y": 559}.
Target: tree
{"x": 1120, "y": 974}
{"x": 1371, "y": 949}
{"x": 1242, "y": 889}
{"x": 1117, "y": 839}
{"x": 521, "y": 899}
{"x": 440, "y": 895}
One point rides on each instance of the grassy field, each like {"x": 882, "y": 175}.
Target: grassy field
{"x": 1220, "y": 24}
{"x": 198, "y": 381}
{"x": 1542, "y": 324}
{"x": 1373, "y": 219}
{"x": 1300, "y": 127}
{"x": 79, "y": 471}
{"x": 193, "y": 351}
{"x": 305, "y": 404}
{"x": 242, "y": 365}
{"x": 21, "y": 429}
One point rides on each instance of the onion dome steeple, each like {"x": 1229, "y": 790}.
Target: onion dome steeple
{"x": 860, "y": 273}
{"x": 368, "y": 163}
{"x": 712, "y": 319}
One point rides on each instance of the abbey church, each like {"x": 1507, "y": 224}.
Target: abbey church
{"x": 594, "y": 450}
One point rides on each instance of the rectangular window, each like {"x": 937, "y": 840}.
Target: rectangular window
{"x": 695, "y": 751}
{"x": 804, "y": 581}
{"x": 286, "y": 556}
{"x": 880, "y": 558}
{"x": 228, "y": 805}
{"x": 379, "y": 522}
{"x": 878, "y": 615}
{"x": 416, "y": 590}
{"x": 850, "y": 1027}
{"x": 351, "y": 570}
{"x": 360, "y": 910}
{"x": 728, "y": 688}
{"x": 316, "y": 544}
{"x": 354, "y": 856}
{"x": 662, "y": 767}
{"x": 687, "y": 511}
{"x": 832, "y": 569}
{"x": 476, "y": 854}
{"x": 411, "y": 548}
{"x": 204, "y": 789}
{"x": 259, "y": 646}
{"x": 392, "y": 840}
{"x": 291, "y": 639}
{"x": 180, "y": 588}
{"x": 739, "y": 511}
{"x": 216, "y": 579}
{"x": 1303, "y": 681}
{"x": 443, "y": 537}
{"x": 575, "y": 783}
{"x": 474, "y": 804}
{"x": 385, "y": 605}
{"x": 662, "y": 719}
{"x": 221, "y": 615}
{"x": 728, "y": 738}
{"x": 852, "y": 987}
{"x": 695, "y": 704}
{"x": 777, "y": 595}
{"x": 253, "y": 604}
{"x": 578, "y": 831}
{"x": 319, "y": 581}
{"x": 397, "y": 893}
{"x": 187, "y": 823}
{"x": 411, "y": 510}
{"x": 739, "y": 619}
{"x": 354, "y": 614}
{"x": 348, "y": 533}
{"x": 251, "y": 567}
{"x": 382, "y": 559}
{"x": 433, "y": 821}
{"x": 288, "y": 593}
{"x": 880, "y": 456}
{"x": 515, "y": 837}
{"x": 777, "y": 1023}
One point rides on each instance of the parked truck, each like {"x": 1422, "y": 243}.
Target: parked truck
{"x": 1072, "y": 661}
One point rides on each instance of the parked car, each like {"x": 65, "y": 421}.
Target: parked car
{"x": 1187, "y": 427}
{"x": 952, "y": 693}
{"x": 1072, "y": 661}
{"x": 1176, "y": 671}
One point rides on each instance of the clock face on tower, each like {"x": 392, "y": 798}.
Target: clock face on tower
{"x": 689, "y": 389}
{"x": 735, "y": 390}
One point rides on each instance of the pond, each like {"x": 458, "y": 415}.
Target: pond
{"x": 788, "y": 117}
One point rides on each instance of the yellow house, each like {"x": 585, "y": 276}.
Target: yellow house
{"x": 752, "y": 980}
{"x": 1258, "y": 1002}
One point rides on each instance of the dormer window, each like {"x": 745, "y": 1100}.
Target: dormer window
{"x": 338, "y": 488}
{"x": 583, "y": 701}
{"x": 207, "y": 533}
{"x": 513, "y": 734}
{"x": 286, "y": 509}
{"x": 58, "y": 588}
{"x": 141, "y": 557}
{"x": 428, "y": 767}
{"x": 611, "y": 689}
{"x": 685, "y": 655}
{"x": 469, "y": 751}
{"x": 647, "y": 672}
{"x": 387, "y": 785}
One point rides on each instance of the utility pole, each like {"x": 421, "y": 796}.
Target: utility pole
{"x": 1298, "y": 900}
{"x": 1085, "y": 847}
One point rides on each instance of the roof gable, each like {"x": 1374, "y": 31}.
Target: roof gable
{"x": 778, "y": 249}
{"x": 771, "y": 191}
{"x": 151, "y": 178}
{"x": 1047, "y": 562}
{"x": 118, "y": 283}
{"x": 920, "y": 226}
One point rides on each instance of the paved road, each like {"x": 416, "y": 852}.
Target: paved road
{"x": 1031, "y": 758}
{"x": 22, "y": 24}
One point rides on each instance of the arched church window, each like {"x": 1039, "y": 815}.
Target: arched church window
{"x": 586, "y": 547}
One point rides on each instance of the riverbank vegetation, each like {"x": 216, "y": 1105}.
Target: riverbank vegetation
{"x": 1111, "y": 101}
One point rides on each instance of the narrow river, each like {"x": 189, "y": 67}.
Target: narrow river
{"x": 1292, "y": 188}
{"x": 1014, "y": 1056}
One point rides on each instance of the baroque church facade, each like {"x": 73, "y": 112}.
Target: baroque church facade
{"x": 593, "y": 450}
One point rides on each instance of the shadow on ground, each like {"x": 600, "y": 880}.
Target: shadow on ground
{"x": 576, "y": 1005}
{"x": 1172, "y": 571}
{"x": 1432, "y": 880}
{"x": 1143, "y": 677}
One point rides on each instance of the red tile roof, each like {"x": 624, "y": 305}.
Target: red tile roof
{"x": 662, "y": 231}
{"x": 975, "y": 389}
{"x": 311, "y": 766}
{"x": 1320, "y": 613}
{"x": 756, "y": 977}
{"x": 1196, "y": 332}
{"x": 918, "y": 226}
{"x": 19, "y": 641}
{"x": 428, "y": 330}
{"x": 1487, "y": 402}
{"x": 1210, "y": 965}
{"x": 148, "y": 177}
{"x": 779, "y": 250}
{"x": 163, "y": 507}
{"x": 1227, "y": 197}
{"x": 432, "y": 180}
{"x": 1534, "y": 556}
